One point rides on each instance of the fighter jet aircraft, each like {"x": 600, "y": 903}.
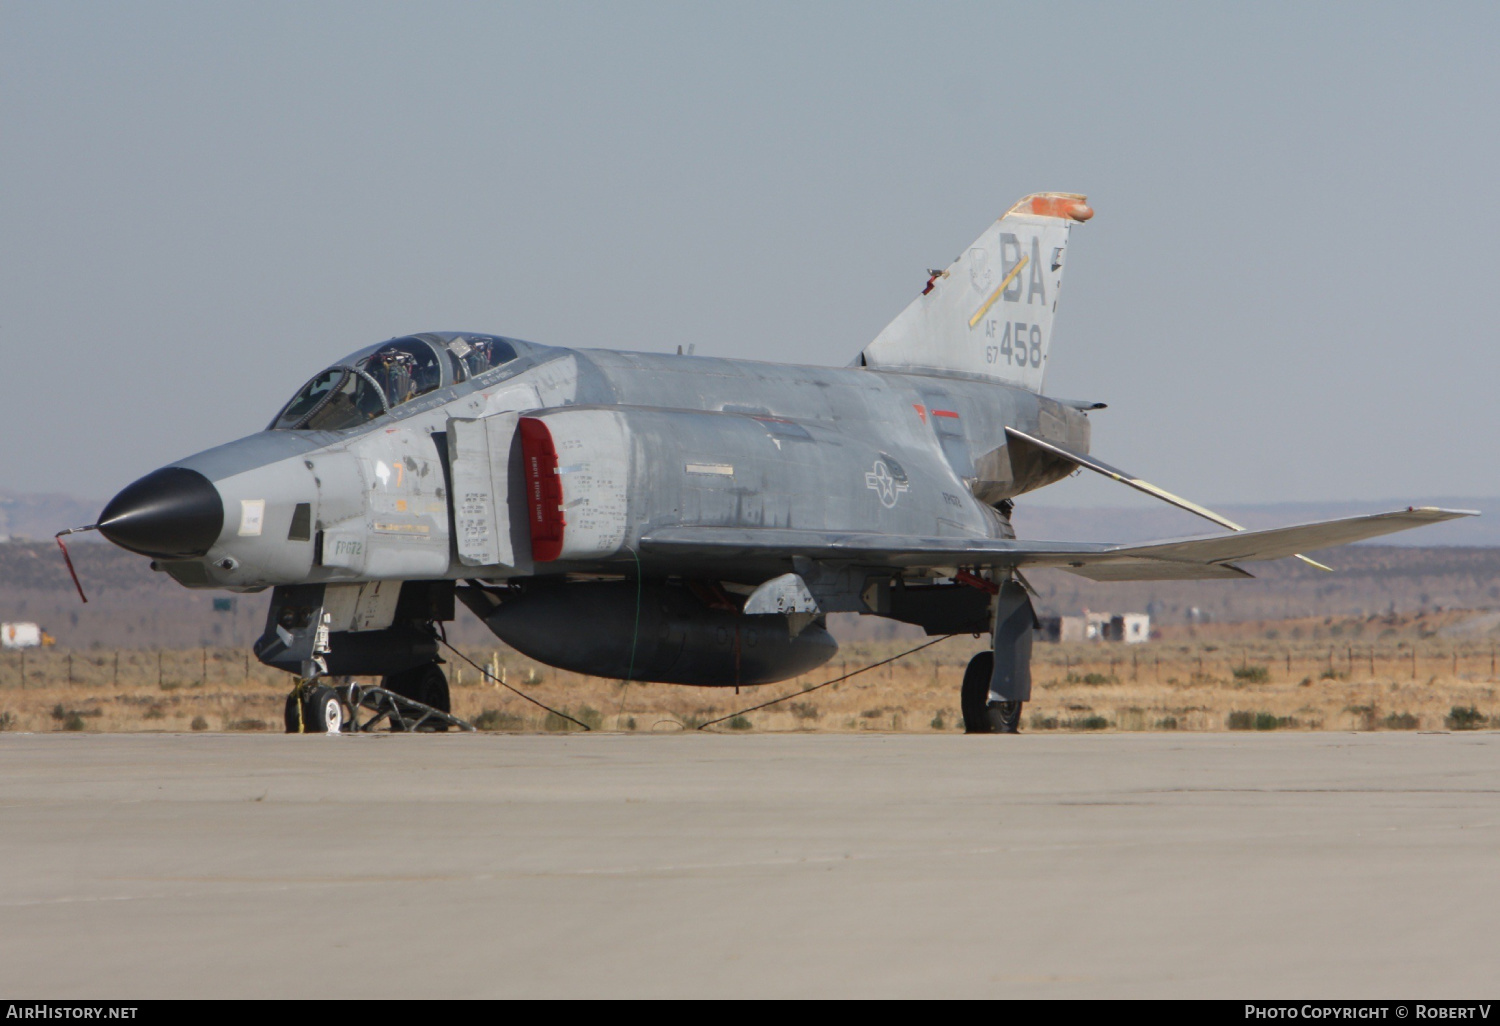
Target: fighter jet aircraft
{"x": 673, "y": 518}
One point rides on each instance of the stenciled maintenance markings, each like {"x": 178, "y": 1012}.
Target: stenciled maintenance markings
{"x": 408, "y": 529}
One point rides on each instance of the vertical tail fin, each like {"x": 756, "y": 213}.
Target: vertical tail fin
{"x": 989, "y": 314}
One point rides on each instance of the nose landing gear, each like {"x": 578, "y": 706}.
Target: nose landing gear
{"x": 412, "y": 701}
{"x": 314, "y": 709}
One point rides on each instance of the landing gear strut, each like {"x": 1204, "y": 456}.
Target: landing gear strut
{"x": 997, "y": 683}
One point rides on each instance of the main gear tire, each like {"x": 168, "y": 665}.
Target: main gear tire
{"x": 1004, "y": 717}
{"x": 975, "y": 694}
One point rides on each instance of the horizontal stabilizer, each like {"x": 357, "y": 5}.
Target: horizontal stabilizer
{"x": 1185, "y": 559}
{"x": 1098, "y": 466}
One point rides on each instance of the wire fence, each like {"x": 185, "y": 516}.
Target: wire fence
{"x": 1157, "y": 661}
{"x": 164, "y": 668}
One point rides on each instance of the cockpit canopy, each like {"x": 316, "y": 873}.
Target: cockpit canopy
{"x": 375, "y": 380}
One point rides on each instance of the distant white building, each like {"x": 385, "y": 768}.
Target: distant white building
{"x": 23, "y": 635}
{"x": 1065, "y": 628}
{"x": 1131, "y": 628}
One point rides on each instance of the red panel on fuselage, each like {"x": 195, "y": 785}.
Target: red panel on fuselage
{"x": 543, "y": 490}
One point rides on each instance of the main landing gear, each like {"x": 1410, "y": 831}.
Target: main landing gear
{"x": 314, "y": 709}
{"x": 981, "y": 715}
{"x": 998, "y": 683}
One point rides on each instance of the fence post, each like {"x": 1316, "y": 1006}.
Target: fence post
{"x": 158, "y": 668}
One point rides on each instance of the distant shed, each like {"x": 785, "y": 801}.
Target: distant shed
{"x": 1130, "y": 628}
{"x": 23, "y": 635}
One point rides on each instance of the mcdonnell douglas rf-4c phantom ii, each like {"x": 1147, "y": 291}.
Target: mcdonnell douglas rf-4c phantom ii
{"x": 667, "y": 518}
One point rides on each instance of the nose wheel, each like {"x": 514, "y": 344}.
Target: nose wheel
{"x": 981, "y": 716}
{"x": 314, "y": 710}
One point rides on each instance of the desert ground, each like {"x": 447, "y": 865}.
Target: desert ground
{"x": 1426, "y": 672}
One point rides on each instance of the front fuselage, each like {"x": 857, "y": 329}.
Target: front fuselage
{"x": 687, "y": 441}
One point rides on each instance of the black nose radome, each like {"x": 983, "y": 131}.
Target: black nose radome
{"x": 172, "y": 513}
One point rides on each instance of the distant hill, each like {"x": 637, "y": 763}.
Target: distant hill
{"x": 129, "y": 605}
{"x": 1367, "y": 580}
{"x": 41, "y": 516}
{"x": 132, "y": 607}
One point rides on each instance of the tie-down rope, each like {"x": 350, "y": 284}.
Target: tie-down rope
{"x": 490, "y": 676}
{"x": 815, "y": 687}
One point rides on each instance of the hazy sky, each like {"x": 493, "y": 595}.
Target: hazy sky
{"x": 1288, "y": 293}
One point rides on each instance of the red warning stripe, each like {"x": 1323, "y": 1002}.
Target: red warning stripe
{"x": 945, "y": 413}
{"x": 543, "y": 490}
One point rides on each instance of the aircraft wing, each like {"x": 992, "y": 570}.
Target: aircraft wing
{"x": 1185, "y": 559}
{"x": 1277, "y": 542}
